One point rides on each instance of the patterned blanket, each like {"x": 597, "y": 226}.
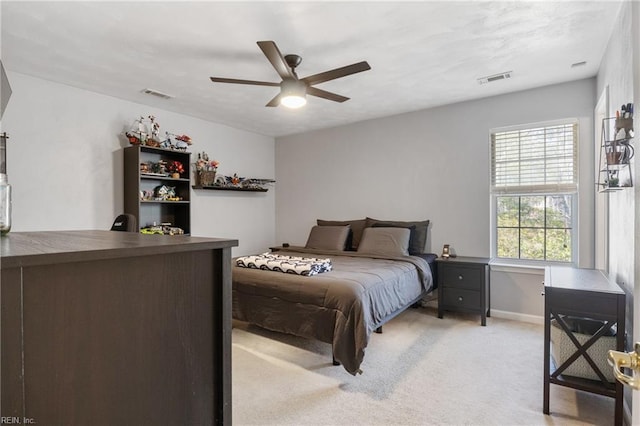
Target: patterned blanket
{"x": 306, "y": 266}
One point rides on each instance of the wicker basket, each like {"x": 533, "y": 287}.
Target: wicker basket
{"x": 206, "y": 178}
{"x": 562, "y": 348}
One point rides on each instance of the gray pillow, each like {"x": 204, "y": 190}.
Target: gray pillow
{"x": 328, "y": 237}
{"x": 385, "y": 241}
{"x": 357, "y": 226}
{"x": 419, "y": 234}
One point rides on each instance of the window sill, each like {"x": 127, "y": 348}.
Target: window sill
{"x": 519, "y": 268}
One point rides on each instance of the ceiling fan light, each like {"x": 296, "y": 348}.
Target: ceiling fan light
{"x": 293, "y": 94}
{"x": 293, "y": 101}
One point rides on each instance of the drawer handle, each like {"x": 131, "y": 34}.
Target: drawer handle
{"x": 460, "y": 277}
{"x": 460, "y": 299}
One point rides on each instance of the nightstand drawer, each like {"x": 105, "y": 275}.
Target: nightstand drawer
{"x": 461, "y": 298}
{"x": 459, "y": 276}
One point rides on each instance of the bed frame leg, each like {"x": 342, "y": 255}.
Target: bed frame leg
{"x": 379, "y": 330}
{"x": 335, "y": 362}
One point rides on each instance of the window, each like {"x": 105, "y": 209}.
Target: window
{"x": 534, "y": 182}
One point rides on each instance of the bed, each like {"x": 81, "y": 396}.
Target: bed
{"x": 369, "y": 283}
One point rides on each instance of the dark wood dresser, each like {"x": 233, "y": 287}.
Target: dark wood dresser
{"x": 115, "y": 328}
{"x": 463, "y": 286}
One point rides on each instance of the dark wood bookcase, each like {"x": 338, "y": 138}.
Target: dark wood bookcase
{"x": 149, "y": 212}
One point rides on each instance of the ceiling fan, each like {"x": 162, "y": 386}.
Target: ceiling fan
{"x": 293, "y": 89}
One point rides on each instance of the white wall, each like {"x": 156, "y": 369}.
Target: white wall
{"x": 64, "y": 161}
{"x": 431, "y": 164}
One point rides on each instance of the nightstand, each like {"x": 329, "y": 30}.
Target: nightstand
{"x": 463, "y": 286}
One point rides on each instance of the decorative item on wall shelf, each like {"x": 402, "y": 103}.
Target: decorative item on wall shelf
{"x": 205, "y": 170}
{"x": 237, "y": 183}
{"x": 624, "y": 122}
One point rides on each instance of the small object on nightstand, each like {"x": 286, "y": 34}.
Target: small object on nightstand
{"x": 285, "y": 245}
{"x": 448, "y": 252}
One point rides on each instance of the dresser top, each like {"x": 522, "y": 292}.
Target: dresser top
{"x": 49, "y": 247}
{"x": 569, "y": 278}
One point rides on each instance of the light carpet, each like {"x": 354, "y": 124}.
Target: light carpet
{"x": 420, "y": 371}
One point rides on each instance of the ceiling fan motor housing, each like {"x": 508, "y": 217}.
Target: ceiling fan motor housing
{"x": 293, "y": 61}
{"x": 290, "y": 87}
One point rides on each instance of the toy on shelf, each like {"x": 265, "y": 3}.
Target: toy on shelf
{"x": 146, "y": 131}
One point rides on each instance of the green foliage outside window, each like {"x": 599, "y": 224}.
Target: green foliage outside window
{"x": 535, "y": 227}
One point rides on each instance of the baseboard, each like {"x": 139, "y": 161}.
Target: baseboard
{"x": 432, "y": 302}
{"x": 515, "y": 316}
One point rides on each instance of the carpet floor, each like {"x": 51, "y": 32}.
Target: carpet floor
{"x": 420, "y": 371}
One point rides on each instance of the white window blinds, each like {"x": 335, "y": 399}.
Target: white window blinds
{"x": 541, "y": 159}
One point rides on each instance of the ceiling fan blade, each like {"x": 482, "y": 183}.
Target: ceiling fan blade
{"x": 236, "y": 81}
{"x": 337, "y": 73}
{"x": 274, "y": 102}
{"x": 274, "y": 56}
{"x": 314, "y": 91}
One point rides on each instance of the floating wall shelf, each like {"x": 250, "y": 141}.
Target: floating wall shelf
{"x": 616, "y": 151}
{"x": 230, "y": 188}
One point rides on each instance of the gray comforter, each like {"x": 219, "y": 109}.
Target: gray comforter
{"x": 342, "y": 307}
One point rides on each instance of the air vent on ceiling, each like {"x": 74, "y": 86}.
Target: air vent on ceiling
{"x": 156, "y": 93}
{"x": 495, "y": 77}
{"x": 579, "y": 64}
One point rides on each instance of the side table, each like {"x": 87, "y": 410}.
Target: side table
{"x": 582, "y": 293}
{"x": 463, "y": 286}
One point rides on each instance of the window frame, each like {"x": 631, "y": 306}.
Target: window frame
{"x": 553, "y": 190}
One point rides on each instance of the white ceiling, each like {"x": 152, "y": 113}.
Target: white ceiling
{"x": 422, "y": 54}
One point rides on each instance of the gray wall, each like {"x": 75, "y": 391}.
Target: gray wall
{"x": 65, "y": 163}
{"x": 616, "y": 73}
{"x": 64, "y": 160}
{"x": 431, "y": 164}
{"x": 635, "y": 35}
{"x": 620, "y": 72}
